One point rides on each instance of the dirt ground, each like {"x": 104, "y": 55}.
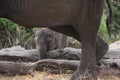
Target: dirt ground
{"x": 109, "y": 74}
{"x": 37, "y": 76}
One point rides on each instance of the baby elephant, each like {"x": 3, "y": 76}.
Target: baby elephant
{"x": 47, "y": 40}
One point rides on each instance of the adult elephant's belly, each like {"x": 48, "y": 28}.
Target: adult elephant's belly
{"x": 47, "y": 13}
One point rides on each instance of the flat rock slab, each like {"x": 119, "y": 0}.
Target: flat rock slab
{"x": 14, "y": 68}
{"x": 112, "y": 54}
{"x": 114, "y": 51}
{"x": 19, "y": 53}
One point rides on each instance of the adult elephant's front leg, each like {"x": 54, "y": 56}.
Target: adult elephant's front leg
{"x": 87, "y": 69}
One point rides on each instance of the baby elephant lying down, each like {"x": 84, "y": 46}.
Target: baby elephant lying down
{"x": 47, "y": 40}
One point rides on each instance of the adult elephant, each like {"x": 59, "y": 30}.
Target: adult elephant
{"x": 77, "y": 18}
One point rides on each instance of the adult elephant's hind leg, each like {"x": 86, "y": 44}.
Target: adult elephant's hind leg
{"x": 101, "y": 47}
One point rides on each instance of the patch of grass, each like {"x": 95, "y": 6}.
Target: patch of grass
{"x": 105, "y": 74}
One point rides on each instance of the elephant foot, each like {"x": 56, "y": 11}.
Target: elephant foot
{"x": 87, "y": 75}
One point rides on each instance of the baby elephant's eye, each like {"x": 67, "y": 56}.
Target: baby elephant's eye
{"x": 50, "y": 35}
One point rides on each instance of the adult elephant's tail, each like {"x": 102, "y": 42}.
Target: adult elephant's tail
{"x": 109, "y": 18}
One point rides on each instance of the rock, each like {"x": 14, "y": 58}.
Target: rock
{"x": 14, "y": 68}
{"x": 114, "y": 51}
{"x": 18, "y": 53}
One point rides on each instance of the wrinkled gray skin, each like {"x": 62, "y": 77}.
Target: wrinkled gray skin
{"x": 77, "y": 18}
{"x": 47, "y": 40}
